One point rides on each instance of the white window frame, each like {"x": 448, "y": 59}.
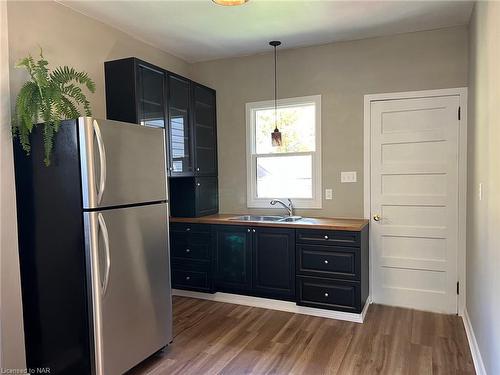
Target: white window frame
{"x": 252, "y": 200}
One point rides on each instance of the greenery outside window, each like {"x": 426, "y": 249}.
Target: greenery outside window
{"x": 292, "y": 170}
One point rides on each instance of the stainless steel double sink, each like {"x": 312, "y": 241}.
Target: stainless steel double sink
{"x": 267, "y": 218}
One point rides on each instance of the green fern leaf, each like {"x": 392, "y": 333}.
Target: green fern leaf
{"x": 50, "y": 96}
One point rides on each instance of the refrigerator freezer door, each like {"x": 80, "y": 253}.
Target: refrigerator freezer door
{"x": 121, "y": 163}
{"x": 128, "y": 256}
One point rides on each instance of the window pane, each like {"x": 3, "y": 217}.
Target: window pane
{"x": 296, "y": 124}
{"x": 284, "y": 177}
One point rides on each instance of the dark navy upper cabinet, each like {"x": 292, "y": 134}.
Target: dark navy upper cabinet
{"x": 142, "y": 93}
{"x": 151, "y": 100}
{"x": 205, "y": 130}
{"x": 180, "y": 126}
{"x": 136, "y": 92}
{"x": 274, "y": 262}
{"x": 233, "y": 258}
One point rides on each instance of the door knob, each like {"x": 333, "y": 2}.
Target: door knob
{"x": 376, "y": 217}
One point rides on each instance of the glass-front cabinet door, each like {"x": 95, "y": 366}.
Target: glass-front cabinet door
{"x": 180, "y": 128}
{"x": 233, "y": 258}
{"x": 204, "y": 123}
{"x": 151, "y": 98}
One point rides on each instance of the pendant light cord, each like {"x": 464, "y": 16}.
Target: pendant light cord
{"x": 275, "y": 91}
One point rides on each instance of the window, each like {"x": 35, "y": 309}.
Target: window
{"x": 292, "y": 170}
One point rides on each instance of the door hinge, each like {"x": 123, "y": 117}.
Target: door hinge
{"x": 459, "y": 112}
{"x": 458, "y": 287}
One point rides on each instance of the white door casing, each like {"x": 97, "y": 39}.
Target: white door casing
{"x": 414, "y": 177}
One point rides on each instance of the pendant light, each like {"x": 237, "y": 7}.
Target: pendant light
{"x": 230, "y": 2}
{"x": 276, "y": 134}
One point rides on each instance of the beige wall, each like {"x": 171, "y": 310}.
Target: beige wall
{"x": 11, "y": 325}
{"x": 67, "y": 38}
{"x": 70, "y": 38}
{"x": 483, "y": 238}
{"x": 342, "y": 73}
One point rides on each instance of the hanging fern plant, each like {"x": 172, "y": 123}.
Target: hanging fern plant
{"x": 49, "y": 97}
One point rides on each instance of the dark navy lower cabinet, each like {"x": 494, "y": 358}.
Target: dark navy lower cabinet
{"x": 315, "y": 268}
{"x": 332, "y": 269}
{"x": 191, "y": 257}
{"x": 274, "y": 262}
{"x": 341, "y": 295}
{"x": 233, "y": 258}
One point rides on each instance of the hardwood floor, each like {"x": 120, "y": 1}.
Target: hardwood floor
{"x": 220, "y": 338}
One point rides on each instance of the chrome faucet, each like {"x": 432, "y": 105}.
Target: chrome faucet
{"x": 289, "y": 207}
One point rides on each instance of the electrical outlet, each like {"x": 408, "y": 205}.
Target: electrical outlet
{"x": 328, "y": 194}
{"x": 348, "y": 177}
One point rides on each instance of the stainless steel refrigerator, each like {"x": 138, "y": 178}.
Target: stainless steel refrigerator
{"x": 93, "y": 236}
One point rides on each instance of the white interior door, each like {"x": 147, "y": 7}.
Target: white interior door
{"x": 414, "y": 202}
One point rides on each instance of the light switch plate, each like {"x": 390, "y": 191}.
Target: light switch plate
{"x": 328, "y": 194}
{"x": 348, "y": 177}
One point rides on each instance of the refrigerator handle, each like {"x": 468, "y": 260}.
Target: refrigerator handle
{"x": 102, "y": 161}
{"x": 104, "y": 230}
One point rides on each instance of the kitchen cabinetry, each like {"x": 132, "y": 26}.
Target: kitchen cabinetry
{"x": 135, "y": 92}
{"x": 205, "y": 130}
{"x": 191, "y": 257}
{"x": 194, "y": 196}
{"x": 180, "y": 126}
{"x": 274, "y": 262}
{"x": 255, "y": 261}
{"x": 314, "y": 267}
{"x": 233, "y": 258}
{"x": 142, "y": 93}
{"x": 332, "y": 269}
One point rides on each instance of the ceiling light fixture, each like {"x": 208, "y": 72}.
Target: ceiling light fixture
{"x": 276, "y": 134}
{"x": 229, "y": 3}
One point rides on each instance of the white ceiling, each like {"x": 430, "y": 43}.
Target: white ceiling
{"x": 198, "y": 30}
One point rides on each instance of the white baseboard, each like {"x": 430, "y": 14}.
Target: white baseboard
{"x": 272, "y": 304}
{"x": 474, "y": 348}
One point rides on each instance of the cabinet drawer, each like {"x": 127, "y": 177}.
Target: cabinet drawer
{"x": 190, "y": 228}
{"x": 327, "y": 237}
{"x": 329, "y": 294}
{"x": 328, "y": 261}
{"x": 190, "y": 279}
{"x": 190, "y": 250}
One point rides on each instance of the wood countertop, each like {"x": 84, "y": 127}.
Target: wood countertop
{"x": 328, "y": 223}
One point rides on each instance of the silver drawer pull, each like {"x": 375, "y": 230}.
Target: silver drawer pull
{"x": 188, "y": 229}
{"x": 197, "y": 169}
{"x": 188, "y": 278}
{"x": 188, "y": 250}
{"x": 326, "y": 294}
{"x": 326, "y": 237}
{"x": 198, "y": 184}
{"x": 326, "y": 262}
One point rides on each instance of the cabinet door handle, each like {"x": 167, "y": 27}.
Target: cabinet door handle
{"x": 326, "y": 262}
{"x": 188, "y": 229}
{"x": 197, "y": 169}
{"x": 248, "y": 230}
{"x": 198, "y": 184}
{"x": 326, "y": 237}
{"x": 326, "y": 294}
{"x": 188, "y": 250}
{"x": 253, "y": 230}
{"x": 188, "y": 278}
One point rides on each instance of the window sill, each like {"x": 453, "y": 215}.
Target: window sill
{"x": 296, "y": 204}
